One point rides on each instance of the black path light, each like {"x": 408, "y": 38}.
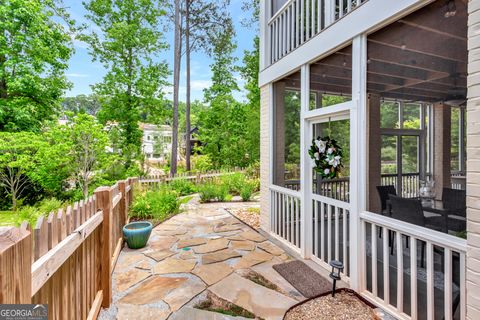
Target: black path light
{"x": 338, "y": 266}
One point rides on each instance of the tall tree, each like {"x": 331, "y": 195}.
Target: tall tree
{"x": 35, "y": 47}
{"x": 205, "y": 23}
{"x": 82, "y": 103}
{"x": 176, "y": 84}
{"x": 129, "y": 45}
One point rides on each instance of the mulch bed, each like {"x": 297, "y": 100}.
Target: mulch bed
{"x": 346, "y": 305}
{"x": 308, "y": 282}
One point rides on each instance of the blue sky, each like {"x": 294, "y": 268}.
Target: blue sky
{"x": 82, "y": 72}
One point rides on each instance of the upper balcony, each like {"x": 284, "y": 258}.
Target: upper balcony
{"x": 291, "y": 23}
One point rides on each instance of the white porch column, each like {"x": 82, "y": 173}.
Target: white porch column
{"x": 266, "y": 105}
{"x": 358, "y": 154}
{"x": 305, "y": 170}
{"x": 264, "y": 15}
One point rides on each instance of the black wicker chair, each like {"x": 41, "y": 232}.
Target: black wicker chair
{"x": 384, "y": 192}
{"x": 455, "y": 200}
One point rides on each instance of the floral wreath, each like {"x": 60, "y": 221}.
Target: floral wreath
{"x": 327, "y": 157}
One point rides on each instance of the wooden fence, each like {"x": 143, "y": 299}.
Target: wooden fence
{"x": 67, "y": 259}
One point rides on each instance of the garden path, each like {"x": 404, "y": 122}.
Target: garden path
{"x": 201, "y": 251}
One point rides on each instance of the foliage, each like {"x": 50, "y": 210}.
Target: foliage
{"x": 212, "y": 191}
{"x": 247, "y": 191}
{"x": 327, "y": 157}
{"x": 88, "y": 152}
{"x": 35, "y": 47}
{"x": 18, "y": 153}
{"x": 128, "y": 44}
{"x": 202, "y": 163}
{"x": 182, "y": 186}
{"x": 156, "y": 205}
{"x": 32, "y": 213}
{"x": 234, "y": 182}
{"x": 82, "y": 103}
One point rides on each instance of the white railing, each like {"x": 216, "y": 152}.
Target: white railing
{"x": 299, "y": 20}
{"x": 330, "y": 232}
{"x": 429, "y": 286}
{"x": 285, "y": 216}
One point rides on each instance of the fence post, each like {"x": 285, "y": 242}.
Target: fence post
{"x": 104, "y": 203}
{"x": 16, "y": 266}
{"x": 123, "y": 203}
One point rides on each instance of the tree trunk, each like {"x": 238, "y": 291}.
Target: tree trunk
{"x": 187, "y": 107}
{"x": 3, "y": 80}
{"x": 176, "y": 83}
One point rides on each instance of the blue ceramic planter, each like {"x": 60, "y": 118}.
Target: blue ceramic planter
{"x": 137, "y": 233}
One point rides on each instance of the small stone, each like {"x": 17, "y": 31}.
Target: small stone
{"x": 158, "y": 255}
{"x": 270, "y": 248}
{"x": 152, "y": 290}
{"x": 212, "y": 245}
{"x": 243, "y": 245}
{"x": 127, "y": 279}
{"x": 252, "y": 236}
{"x": 212, "y": 273}
{"x": 191, "y": 242}
{"x": 253, "y": 258}
{"x": 218, "y": 256}
{"x": 173, "y": 265}
{"x": 139, "y": 312}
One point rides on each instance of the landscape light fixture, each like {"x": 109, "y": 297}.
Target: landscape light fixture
{"x": 337, "y": 267}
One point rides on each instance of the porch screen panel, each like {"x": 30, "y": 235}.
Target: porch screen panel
{"x": 286, "y": 133}
{"x": 331, "y": 79}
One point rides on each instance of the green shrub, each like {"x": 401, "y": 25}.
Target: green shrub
{"x": 247, "y": 191}
{"x": 48, "y": 205}
{"x": 233, "y": 182}
{"x": 211, "y": 191}
{"x": 183, "y": 187}
{"x": 201, "y": 163}
{"x": 156, "y": 205}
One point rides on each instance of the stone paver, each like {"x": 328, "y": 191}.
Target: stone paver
{"x": 174, "y": 265}
{"x": 252, "y": 236}
{"x": 139, "y": 312}
{"x": 218, "y": 256}
{"x": 212, "y": 273}
{"x": 191, "y": 242}
{"x": 212, "y": 246}
{"x": 270, "y": 248}
{"x": 263, "y": 302}
{"x": 203, "y": 249}
{"x": 152, "y": 290}
{"x": 253, "y": 258}
{"x": 127, "y": 279}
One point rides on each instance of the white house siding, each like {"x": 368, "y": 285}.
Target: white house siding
{"x": 473, "y": 162}
{"x": 264, "y": 158}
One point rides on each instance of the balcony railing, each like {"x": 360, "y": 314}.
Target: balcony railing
{"x": 300, "y": 20}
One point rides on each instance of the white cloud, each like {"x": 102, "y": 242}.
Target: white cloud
{"x": 200, "y": 84}
{"x": 77, "y": 75}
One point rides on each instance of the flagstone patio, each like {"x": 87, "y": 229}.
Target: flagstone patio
{"x": 205, "y": 249}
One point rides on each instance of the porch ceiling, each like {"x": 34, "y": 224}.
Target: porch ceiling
{"x": 422, "y": 57}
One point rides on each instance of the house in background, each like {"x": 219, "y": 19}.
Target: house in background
{"x": 194, "y": 141}
{"x": 156, "y": 142}
{"x": 396, "y": 84}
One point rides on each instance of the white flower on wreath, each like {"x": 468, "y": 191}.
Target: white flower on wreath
{"x": 326, "y": 171}
{"x": 330, "y": 150}
{"x": 335, "y": 161}
{"x": 321, "y": 145}
{"x": 317, "y": 156}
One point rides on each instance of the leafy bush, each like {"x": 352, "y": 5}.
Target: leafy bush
{"x": 184, "y": 187}
{"x": 201, "y": 163}
{"x": 156, "y": 205}
{"x": 48, "y": 205}
{"x": 211, "y": 191}
{"x": 234, "y": 182}
{"x": 247, "y": 191}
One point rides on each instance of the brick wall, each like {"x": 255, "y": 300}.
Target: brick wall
{"x": 264, "y": 158}
{"x": 473, "y": 162}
